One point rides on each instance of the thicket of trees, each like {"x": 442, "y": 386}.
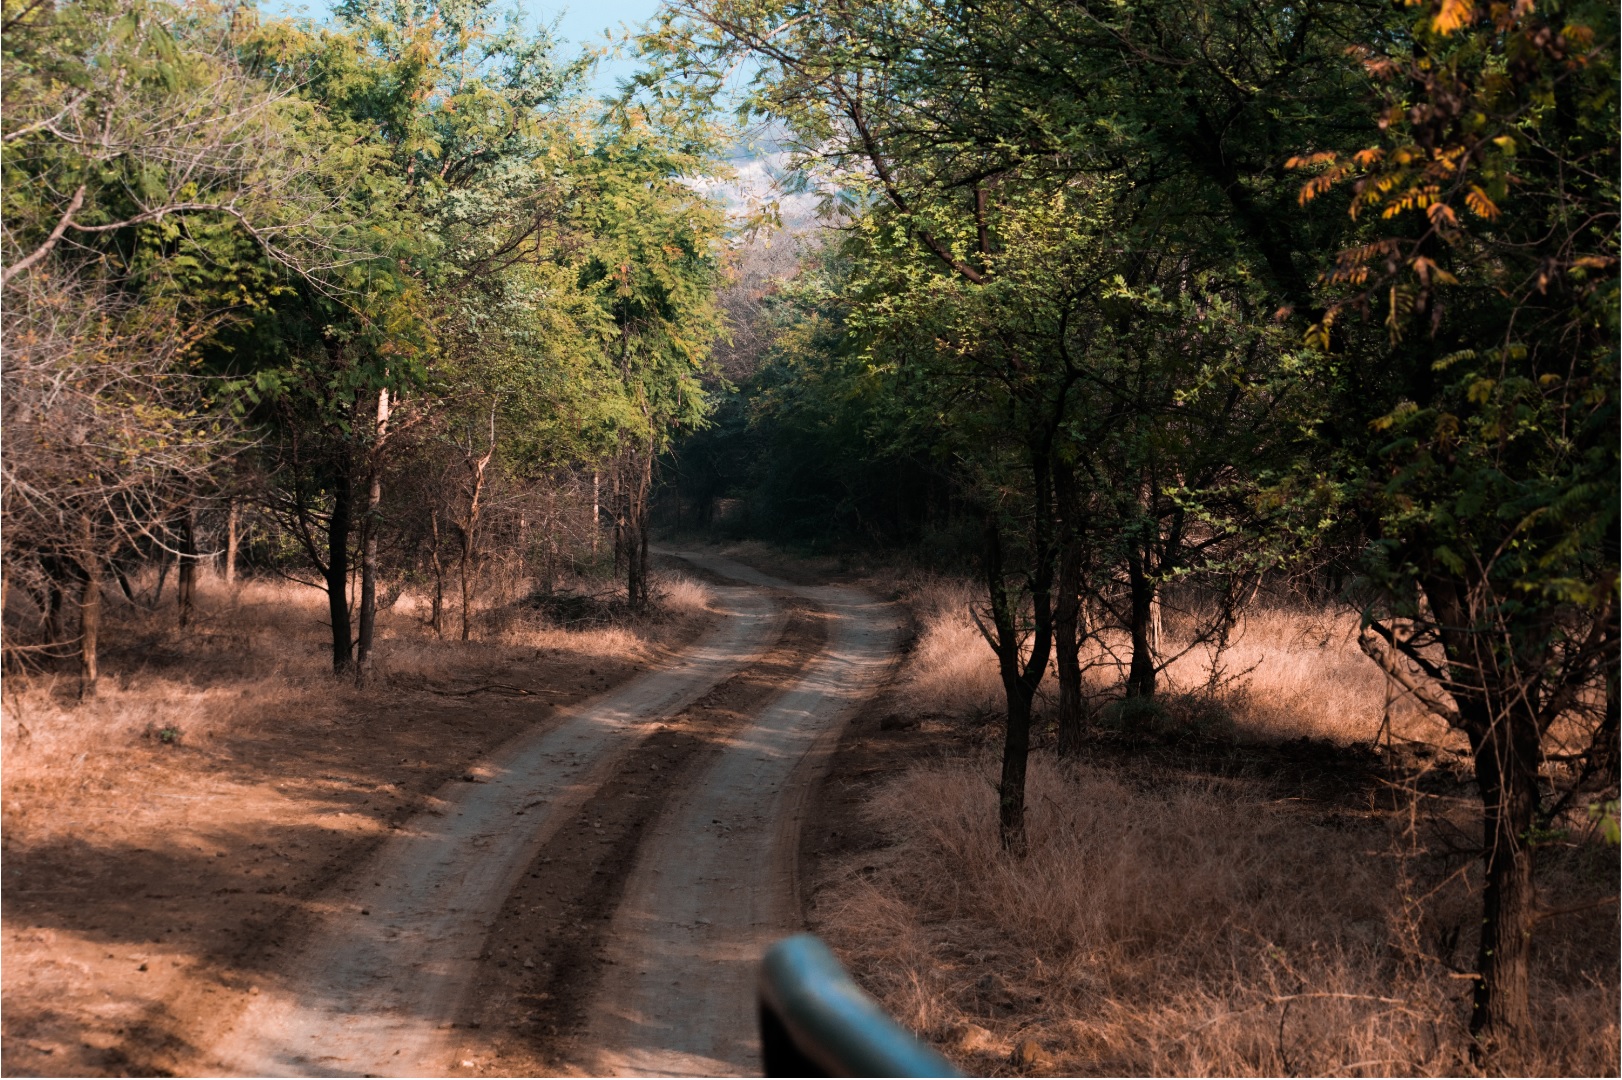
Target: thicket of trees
{"x": 1132, "y": 299}
{"x": 368, "y": 302}
{"x": 1167, "y": 292}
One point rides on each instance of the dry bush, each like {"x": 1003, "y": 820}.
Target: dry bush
{"x": 1164, "y": 924}
{"x": 952, "y": 671}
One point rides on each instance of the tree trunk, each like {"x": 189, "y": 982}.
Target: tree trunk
{"x": 1017, "y": 732}
{"x": 619, "y": 515}
{"x": 1067, "y": 640}
{"x": 1019, "y": 685}
{"x": 369, "y": 530}
{"x": 186, "y": 568}
{"x": 438, "y": 618}
{"x": 469, "y": 526}
{"x": 367, "y": 628}
{"x": 1140, "y": 679}
{"x": 596, "y": 510}
{"x": 636, "y": 532}
{"x": 54, "y": 597}
{"x": 337, "y": 571}
{"x": 1506, "y": 759}
{"x": 233, "y": 518}
{"x": 89, "y": 610}
{"x": 163, "y": 575}
{"x": 467, "y": 584}
{"x": 1507, "y": 747}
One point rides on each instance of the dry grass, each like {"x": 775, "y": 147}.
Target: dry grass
{"x": 252, "y": 655}
{"x": 1285, "y": 673}
{"x": 1233, "y": 911}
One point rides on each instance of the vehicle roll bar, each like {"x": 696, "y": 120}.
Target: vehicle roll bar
{"x": 815, "y": 1021}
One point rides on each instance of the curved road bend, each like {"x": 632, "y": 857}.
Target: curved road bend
{"x": 715, "y": 883}
{"x": 374, "y": 993}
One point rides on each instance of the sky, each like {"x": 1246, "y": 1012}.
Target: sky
{"x": 584, "y": 22}
{"x": 581, "y": 22}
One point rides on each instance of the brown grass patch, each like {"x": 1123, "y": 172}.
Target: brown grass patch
{"x": 163, "y": 841}
{"x": 1200, "y": 901}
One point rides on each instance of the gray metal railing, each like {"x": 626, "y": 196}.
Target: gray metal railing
{"x": 815, "y": 1021}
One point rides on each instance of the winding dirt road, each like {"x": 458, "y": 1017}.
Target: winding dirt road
{"x": 708, "y": 878}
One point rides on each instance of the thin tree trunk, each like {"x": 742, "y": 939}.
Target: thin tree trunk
{"x": 1067, "y": 633}
{"x": 1019, "y": 684}
{"x": 186, "y": 568}
{"x": 1067, "y": 640}
{"x": 596, "y": 510}
{"x": 469, "y": 528}
{"x": 369, "y": 531}
{"x": 619, "y": 515}
{"x": 337, "y": 572}
{"x": 1019, "y": 688}
{"x": 233, "y": 519}
{"x": 438, "y": 620}
{"x": 89, "y": 610}
{"x": 1506, "y": 760}
{"x": 54, "y": 602}
{"x": 467, "y": 584}
{"x": 1140, "y": 679}
{"x": 163, "y": 575}
{"x": 637, "y": 554}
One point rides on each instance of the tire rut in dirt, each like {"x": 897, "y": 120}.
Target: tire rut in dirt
{"x": 545, "y": 951}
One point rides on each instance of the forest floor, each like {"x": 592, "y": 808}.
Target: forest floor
{"x": 166, "y": 845}
{"x": 1265, "y": 875}
{"x": 226, "y": 853}
{"x": 1270, "y": 874}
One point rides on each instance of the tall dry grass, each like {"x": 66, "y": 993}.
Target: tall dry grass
{"x": 1180, "y": 920}
{"x": 1283, "y": 673}
{"x": 1164, "y": 924}
{"x": 258, "y": 652}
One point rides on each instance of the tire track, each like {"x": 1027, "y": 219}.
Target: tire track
{"x": 546, "y": 953}
{"x": 384, "y": 974}
{"x": 715, "y": 882}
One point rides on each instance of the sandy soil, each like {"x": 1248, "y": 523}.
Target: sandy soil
{"x": 153, "y": 890}
{"x": 380, "y": 980}
{"x": 717, "y": 881}
{"x": 452, "y": 885}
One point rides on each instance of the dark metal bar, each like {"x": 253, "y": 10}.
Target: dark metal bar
{"x": 815, "y": 1021}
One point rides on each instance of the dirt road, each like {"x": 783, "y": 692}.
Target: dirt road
{"x": 715, "y": 884}
{"x": 381, "y": 985}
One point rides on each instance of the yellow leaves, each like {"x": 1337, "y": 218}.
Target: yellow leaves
{"x": 1322, "y": 183}
{"x": 1427, "y": 271}
{"x": 1318, "y": 185}
{"x": 1505, "y": 143}
{"x": 1453, "y": 14}
{"x": 1417, "y": 197}
{"x": 1402, "y": 412}
{"x": 1317, "y": 336}
{"x": 1372, "y": 156}
{"x": 1442, "y": 215}
{"x": 1480, "y": 391}
{"x": 1303, "y": 161}
{"x": 1480, "y": 205}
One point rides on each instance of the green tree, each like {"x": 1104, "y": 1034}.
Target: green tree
{"x": 1488, "y": 469}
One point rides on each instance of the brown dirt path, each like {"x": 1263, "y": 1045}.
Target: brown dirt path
{"x": 717, "y": 879}
{"x": 150, "y": 887}
{"x": 378, "y": 984}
